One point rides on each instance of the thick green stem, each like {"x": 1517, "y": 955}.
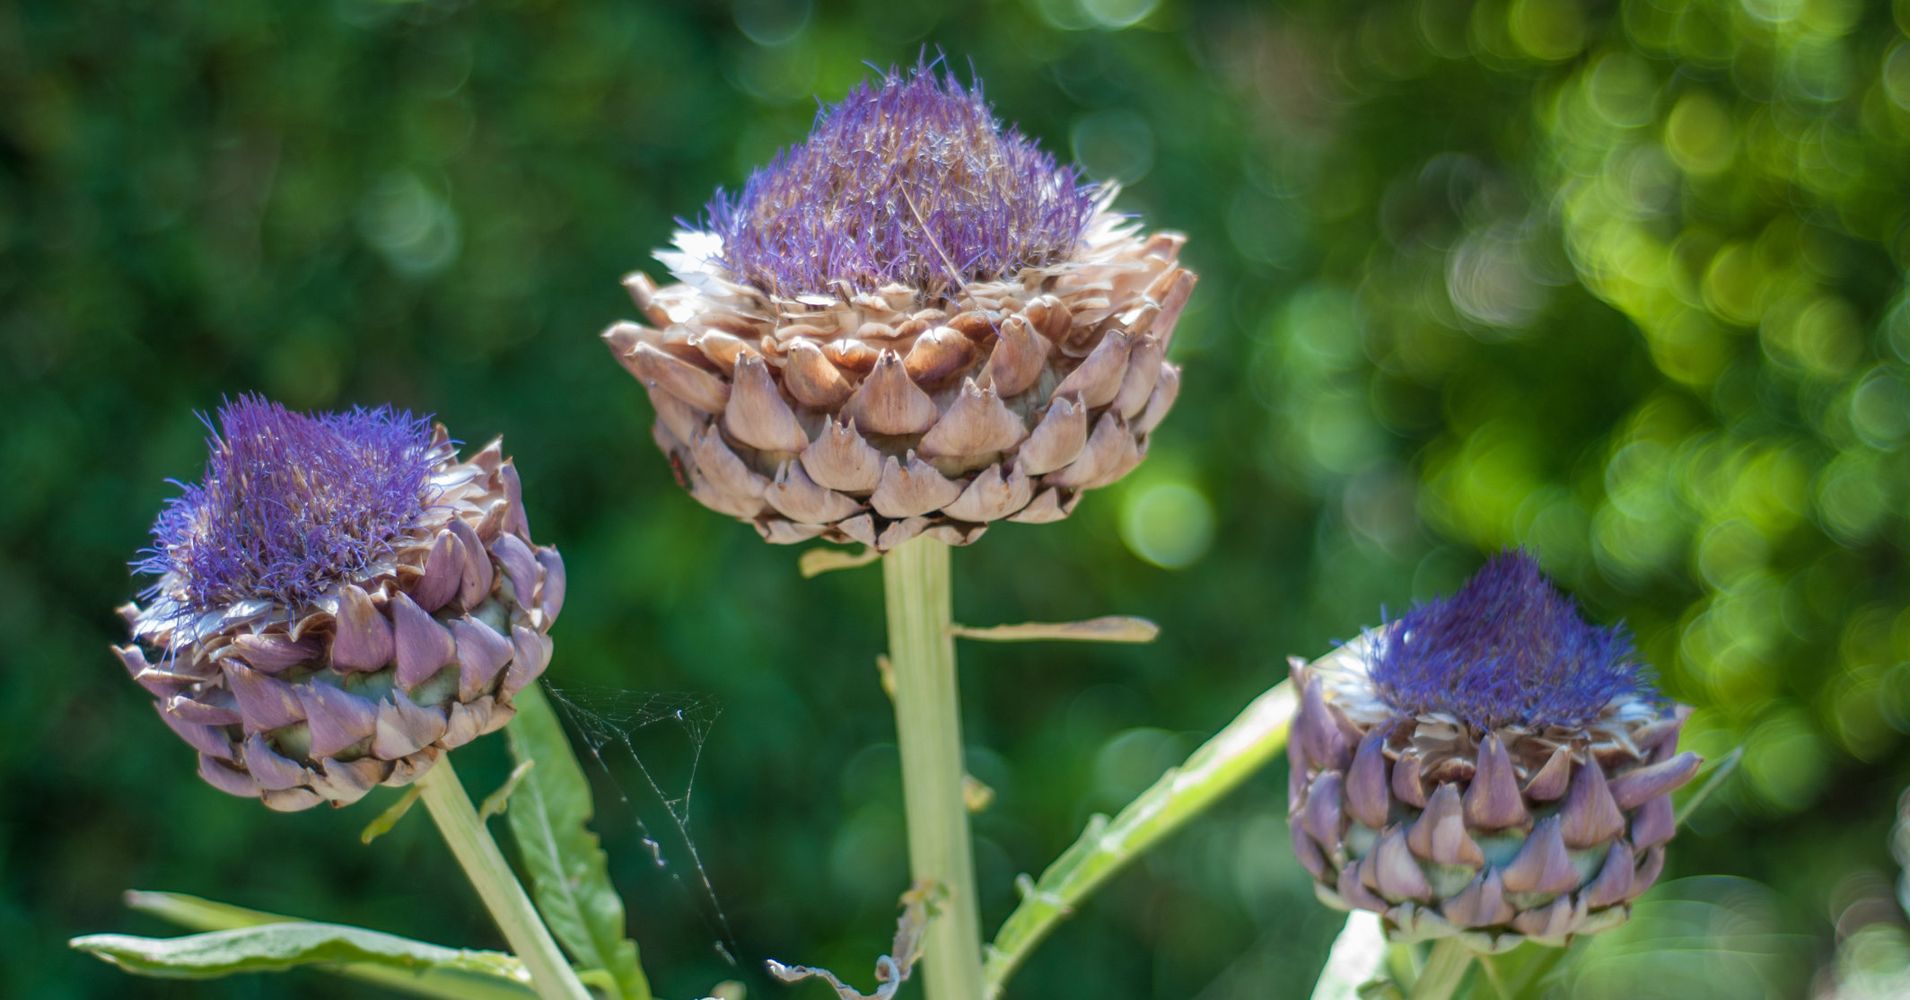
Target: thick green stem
{"x": 928, "y": 725}
{"x": 1445, "y": 970}
{"x": 551, "y": 975}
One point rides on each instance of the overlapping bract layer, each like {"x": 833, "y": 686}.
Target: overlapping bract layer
{"x": 885, "y": 416}
{"x": 1497, "y": 835}
{"x": 366, "y": 684}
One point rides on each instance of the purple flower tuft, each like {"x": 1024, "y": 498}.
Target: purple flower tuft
{"x": 1507, "y": 650}
{"x": 291, "y": 505}
{"x": 912, "y": 181}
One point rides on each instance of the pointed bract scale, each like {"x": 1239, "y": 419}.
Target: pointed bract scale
{"x": 1308, "y": 852}
{"x": 1367, "y": 800}
{"x": 799, "y": 498}
{"x": 443, "y": 573}
{"x": 345, "y": 782}
{"x": 1646, "y": 874}
{"x": 550, "y": 592}
{"x": 404, "y": 727}
{"x": 1589, "y": 816}
{"x": 1098, "y": 378}
{"x": 1493, "y": 801}
{"x": 1480, "y": 904}
{"x": 1397, "y": 871}
{"x": 226, "y": 778}
{"x": 338, "y": 719}
{"x": 723, "y": 469}
{"x": 991, "y": 497}
{"x": 362, "y": 640}
{"x": 1640, "y": 785}
{"x": 724, "y": 350}
{"x": 1550, "y": 780}
{"x": 1166, "y": 390}
{"x": 1322, "y": 818}
{"x": 1320, "y": 738}
{"x": 209, "y": 740}
{"x": 520, "y": 568}
{"x": 1057, "y": 440}
{"x": 203, "y": 709}
{"x": 813, "y": 379}
{"x": 265, "y": 702}
{"x": 1048, "y": 506}
{"x": 478, "y": 576}
{"x": 756, "y": 414}
{"x": 482, "y": 652}
{"x": 1439, "y": 834}
{"x": 1355, "y": 892}
{"x": 976, "y": 424}
{"x": 424, "y": 645}
{"x": 1547, "y": 924}
{"x": 677, "y": 423}
{"x": 1653, "y": 823}
{"x": 274, "y": 653}
{"x": 272, "y": 770}
{"x": 531, "y": 655}
{"x": 888, "y": 402}
{"x": 840, "y": 459}
{"x": 1542, "y": 865}
{"x": 661, "y": 372}
{"x": 515, "y": 520}
{"x": 1107, "y": 448}
{"x": 1018, "y": 358}
{"x": 1137, "y": 385}
{"x": 1614, "y": 877}
{"x": 937, "y": 354}
{"x": 1408, "y": 786}
{"x": 911, "y": 490}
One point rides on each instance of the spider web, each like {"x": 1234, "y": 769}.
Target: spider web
{"x": 610, "y": 720}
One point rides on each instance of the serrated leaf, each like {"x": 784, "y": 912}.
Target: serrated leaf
{"x": 570, "y": 879}
{"x": 401, "y": 963}
{"x": 497, "y": 801}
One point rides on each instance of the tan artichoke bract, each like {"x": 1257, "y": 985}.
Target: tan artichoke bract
{"x": 340, "y": 601}
{"x": 1488, "y": 767}
{"x": 821, "y": 384}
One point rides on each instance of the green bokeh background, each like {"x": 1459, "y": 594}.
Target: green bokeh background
{"x": 1618, "y": 281}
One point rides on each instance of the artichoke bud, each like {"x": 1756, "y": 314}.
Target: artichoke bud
{"x": 339, "y": 601}
{"x": 912, "y": 323}
{"x": 1489, "y": 766}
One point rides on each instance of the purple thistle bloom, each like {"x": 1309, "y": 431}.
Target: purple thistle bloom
{"x": 1507, "y": 649}
{"x": 291, "y": 504}
{"x": 913, "y": 181}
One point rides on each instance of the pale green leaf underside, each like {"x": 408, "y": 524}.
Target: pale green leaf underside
{"x": 570, "y": 881}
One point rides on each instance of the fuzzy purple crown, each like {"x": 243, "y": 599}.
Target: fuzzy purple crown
{"x": 290, "y": 504}
{"x": 1507, "y": 649}
{"x": 911, "y": 181}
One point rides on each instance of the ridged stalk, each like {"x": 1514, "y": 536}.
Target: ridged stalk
{"x": 1445, "y": 970}
{"x": 928, "y": 724}
{"x": 551, "y": 975}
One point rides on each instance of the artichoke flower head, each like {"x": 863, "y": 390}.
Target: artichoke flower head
{"x": 338, "y": 601}
{"x": 913, "y": 322}
{"x": 1489, "y": 765}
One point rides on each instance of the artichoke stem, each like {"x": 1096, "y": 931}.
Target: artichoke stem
{"x": 928, "y": 724}
{"x": 551, "y": 975}
{"x": 1445, "y": 969}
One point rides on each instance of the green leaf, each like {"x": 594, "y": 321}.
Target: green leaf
{"x": 384, "y": 821}
{"x": 386, "y": 959}
{"x": 496, "y": 802}
{"x": 1236, "y": 752}
{"x": 570, "y": 879}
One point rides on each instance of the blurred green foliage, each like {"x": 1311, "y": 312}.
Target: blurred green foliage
{"x": 1620, "y": 281}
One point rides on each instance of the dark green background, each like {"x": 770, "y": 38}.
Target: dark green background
{"x": 1618, "y": 281}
